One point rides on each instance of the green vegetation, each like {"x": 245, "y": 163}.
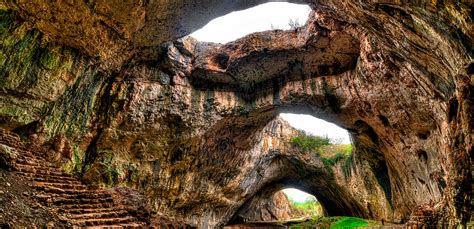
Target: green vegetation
{"x": 75, "y": 165}
{"x": 336, "y": 222}
{"x": 308, "y": 142}
{"x": 334, "y": 153}
{"x": 110, "y": 171}
{"x": 50, "y": 59}
{"x": 350, "y": 222}
{"x": 309, "y": 208}
{"x": 91, "y": 4}
{"x": 324, "y": 147}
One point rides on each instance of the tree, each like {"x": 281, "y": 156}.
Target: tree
{"x": 294, "y": 24}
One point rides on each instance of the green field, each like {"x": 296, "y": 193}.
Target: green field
{"x": 335, "y": 222}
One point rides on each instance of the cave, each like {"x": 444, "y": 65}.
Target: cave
{"x": 274, "y": 205}
{"x": 112, "y": 115}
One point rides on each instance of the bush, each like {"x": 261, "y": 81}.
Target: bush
{"x": 330, "y": 161}
{"x": 309, "y": 142}
{"x": 329, "y": 150}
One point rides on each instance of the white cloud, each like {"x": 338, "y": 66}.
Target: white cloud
{"x": 259, "y": 18}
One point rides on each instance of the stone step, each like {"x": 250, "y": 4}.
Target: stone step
{"x": 32, "y": 176}
{"x": 83, "y": 195}
{"x": 55, "y": 180}
{"x": 38, "y": 167}
{"x": 67, "y": 195}
{"x": 70, "y": 207}
{"x": 7, "y": 138}
{"x": 55, "y": 190}
{"x": 98, "y": 215}
{"x": 25, "y": 155}
{"x": 59, "y": 201}
{"x": 99, "y": 222}
{"x": 88, "y": 210}
{"x": 44, "y": 171}
{"x": 34, "y": 162}
{"x": 123, "y": 226}
{"x": 43, "y": 185}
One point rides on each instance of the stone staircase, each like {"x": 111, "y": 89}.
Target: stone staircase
{"x": 65, "y": 196}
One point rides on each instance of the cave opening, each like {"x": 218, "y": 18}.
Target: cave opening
{"x": 302, "y": 204}
{"x": 303, "y": 173}
{"x": 317, "y": 127}
{"x": 263, "y": 17}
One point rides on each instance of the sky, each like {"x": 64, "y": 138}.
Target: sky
{"x": 269, "y": 16}
{"x": 317, "y": 126}
{"x": 259, "y": 18}
{"x": 296, "y": 195}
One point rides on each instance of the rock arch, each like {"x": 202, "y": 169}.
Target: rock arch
{"x": 181, "y": 110}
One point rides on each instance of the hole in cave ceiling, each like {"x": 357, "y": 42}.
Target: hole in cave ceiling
{"x": 319, "y": 127}
{"x": 268, "y": 16}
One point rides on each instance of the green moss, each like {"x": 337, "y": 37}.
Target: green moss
{"x": 6, "y": 20}
{"x": 74, "y": 167}
{"x": 50, "y": 59}
{"x": 132, "y": 173}
{"x": 109, "y": 171}
{"x": 71, "y": 113}
{"x": 16, "y": 114}
{"x": 312, "y": 84}
{"x": 91, "y": 4}
{"x": 346, "y": 167}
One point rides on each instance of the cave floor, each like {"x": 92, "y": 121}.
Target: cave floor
{"x": 321, "y": 222}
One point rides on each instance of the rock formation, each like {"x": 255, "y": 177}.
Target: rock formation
{"x": 192, "y": 125}
{"x": 264, "y": 209}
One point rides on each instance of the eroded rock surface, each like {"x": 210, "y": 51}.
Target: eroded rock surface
{"x": 175, "y": 119}
{"x": 267, "y": 209}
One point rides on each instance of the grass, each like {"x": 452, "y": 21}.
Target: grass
{"x": 308, "y": 142}
{"x": 330, "y": 152}
{"x": 349, "y": 222}
{"x": 336, "y": 222}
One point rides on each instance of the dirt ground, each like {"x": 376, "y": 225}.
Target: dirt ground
{"x": 18, "y": 208}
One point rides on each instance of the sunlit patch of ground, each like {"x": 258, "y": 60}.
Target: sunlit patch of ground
{"x": 333, "y": 222}
{"x": 336, "y": 222}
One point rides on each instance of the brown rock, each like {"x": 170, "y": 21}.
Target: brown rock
{"x": 193, "y": 126}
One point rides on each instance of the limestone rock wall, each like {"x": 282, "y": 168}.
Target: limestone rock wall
{"x": 267, "y": 209}
{"x": 142, "y": 114}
